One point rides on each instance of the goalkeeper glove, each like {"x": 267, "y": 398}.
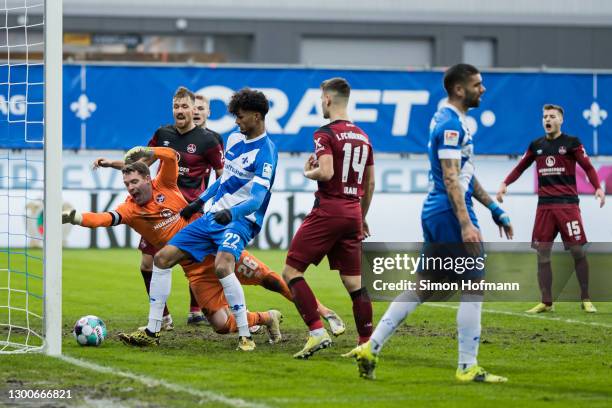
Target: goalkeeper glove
{"x": 499, "y": 216}
{"x": 137, "y": 153}
{"x": 223, "y": 217}
{"x": 192, "y": 208}
{"x": 72, "y": 217}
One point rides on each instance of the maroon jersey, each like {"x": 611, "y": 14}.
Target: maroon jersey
{"x": 352, "y": 153}
{"x": 556, "y": 166}
{"x": 199, "y": 152}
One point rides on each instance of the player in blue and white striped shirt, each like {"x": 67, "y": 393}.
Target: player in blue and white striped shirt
{"x": 240, "y": 199}
{"x": 450, "y": 228}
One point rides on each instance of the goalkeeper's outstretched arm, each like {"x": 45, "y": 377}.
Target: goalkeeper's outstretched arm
{"x": 91, "y": 220}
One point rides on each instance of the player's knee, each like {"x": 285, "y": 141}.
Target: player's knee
{"x": 223, "y": 269}
{"x": 543, "y": 257}
{"x": 224, "y": 264}
{"x": 351, "y": 283}
{"x": 165, "y": 258}
{"x": 161, "y": 260}
{"x": 219, "y": 321}
{"x": 577, "y": 252}
{"x": 290, "y": 273}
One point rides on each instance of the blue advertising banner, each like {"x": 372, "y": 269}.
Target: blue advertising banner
{"x": 117, "y": 107}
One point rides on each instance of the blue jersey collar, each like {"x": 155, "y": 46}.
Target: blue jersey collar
{"x": 454, "y": 109}
{"x": 264, "y": 134}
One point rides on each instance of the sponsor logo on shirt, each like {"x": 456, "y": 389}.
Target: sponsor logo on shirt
{"x": 191, "y": 148}
{"x": 551, "y": 170}
{"x": 166, "y": 213}
{"x": 231, "y": 168}
{"x": 170, "y": 220}
{"x": 267, "y": 170}
{"x": 318, "y": 145}
{"x": 539, "y": 151}
{"x": 160, "y": 198}
{"x": 451, "y": 138}
{"x": 562, "y": 150}
{"x": 166, "y": 143}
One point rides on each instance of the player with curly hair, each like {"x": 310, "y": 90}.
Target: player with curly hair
{"x": 239, "y": 202}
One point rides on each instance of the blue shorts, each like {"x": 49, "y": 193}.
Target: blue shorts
{"x": 204, "y": 236}
{"x": 442, "y": 235}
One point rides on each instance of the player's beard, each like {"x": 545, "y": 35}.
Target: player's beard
{"x": 472, "y": 100}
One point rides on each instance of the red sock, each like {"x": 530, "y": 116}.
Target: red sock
{"x": 306, "y": 303}
{"x": 362, "y": 312}
{"x": 545, "y": 282}
{"x": 582, "y": 273}
{"x": 146, "y": 276}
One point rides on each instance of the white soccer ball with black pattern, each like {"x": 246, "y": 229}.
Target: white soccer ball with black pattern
{"x": 89, "y": 331}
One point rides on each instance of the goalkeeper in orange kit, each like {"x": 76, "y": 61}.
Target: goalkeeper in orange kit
{"x": 153, "y": 211}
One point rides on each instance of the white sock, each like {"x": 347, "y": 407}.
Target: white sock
{"x": 468, "y": 330}
{"x": 397, "y": 312}
{"x": 161, "y": 282}
{"x": 317, "y": 332}
{"x": 235, "y": 298}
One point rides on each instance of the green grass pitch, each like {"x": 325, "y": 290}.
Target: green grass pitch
{"x": 550, "y": 363}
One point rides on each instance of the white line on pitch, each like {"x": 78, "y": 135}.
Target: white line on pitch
{"x": 208, "y": 396}
{"x": 531, "y": 316}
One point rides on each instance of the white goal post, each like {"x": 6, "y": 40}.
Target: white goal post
{"x": 52, "y": 241}
{"x": 31, "y": 176}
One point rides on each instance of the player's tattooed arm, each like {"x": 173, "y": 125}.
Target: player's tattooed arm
{"x": 480, "y": 194}
{"x": 104, "y": 162}
{"x": 456, "y": 196}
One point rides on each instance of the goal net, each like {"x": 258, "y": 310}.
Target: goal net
{"x": 30, "y": 261}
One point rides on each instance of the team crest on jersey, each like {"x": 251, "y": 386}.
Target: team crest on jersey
{"x": 267, "y": 170}
{"x": 451, "y": 138}
{"x": 160, "y": 198}
{"x": 550, "y": 161}
{"x": 562, "y": 150}
{"x": 191, "y": 148}
{"x": 166, "y": 143}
